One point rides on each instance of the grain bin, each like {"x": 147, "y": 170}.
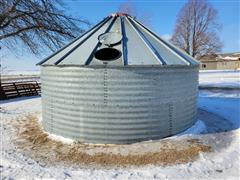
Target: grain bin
{"x": 118, "y": 83}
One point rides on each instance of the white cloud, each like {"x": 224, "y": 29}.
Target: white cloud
{"x": 166, "y": 37}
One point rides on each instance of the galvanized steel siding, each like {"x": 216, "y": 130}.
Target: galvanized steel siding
{"x": 118, "y": 105}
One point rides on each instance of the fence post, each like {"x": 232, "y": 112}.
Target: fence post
{"x": 2, "y": 93}
{"x": 16, "y": 88}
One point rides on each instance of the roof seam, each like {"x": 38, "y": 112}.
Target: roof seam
{"x": 90, "y": 58}
{"x": 46, "y": 59}
{"x": 148, "y": 44}
{"x": 164, "y": 43}
{"x": 80, "y": 43}
{"x": 124, "y": 43}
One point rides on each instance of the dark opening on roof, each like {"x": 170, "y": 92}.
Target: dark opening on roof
{"x": 107, "y": 54}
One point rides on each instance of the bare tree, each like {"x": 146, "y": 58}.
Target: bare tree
{"x": 38, "y": 24}
{"x": 130, "y": 8}
{"x": 196, "y": 29}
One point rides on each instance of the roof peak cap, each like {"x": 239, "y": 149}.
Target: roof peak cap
{"x": 118, "y": 14}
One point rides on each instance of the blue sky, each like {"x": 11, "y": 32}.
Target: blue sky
{"x": 162, "y": 21}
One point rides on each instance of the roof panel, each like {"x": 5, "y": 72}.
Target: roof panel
{"x": 81, "y": 54}
{"x": 57, "y": 55}
{"x": 138, "y": 51}
{"x": 173, "y": 48}
{"x": 168, "y": 56}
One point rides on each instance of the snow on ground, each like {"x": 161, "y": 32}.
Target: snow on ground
{"x": 16, "y": 76}
{"x": 21, "y": 73}
{"x": 225, "y": 105}
{"x": 220, "y": 78}
{"x": 60, "y": 138}
{"x": 198, "y": 128}
{"x": 223, "y": 163}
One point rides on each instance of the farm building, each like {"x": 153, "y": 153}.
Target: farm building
{"x": 118, "y": 83}
{"x": 221, "y": 61}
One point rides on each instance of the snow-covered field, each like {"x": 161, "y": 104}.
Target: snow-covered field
{"x": 220, "y": 78}
{"x": 218, "y": 125}
{"x": 21, "y": 73}
{"x": 9, "y": 76}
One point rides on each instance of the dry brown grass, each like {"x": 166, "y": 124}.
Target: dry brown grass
{"x": 32, "y": 140}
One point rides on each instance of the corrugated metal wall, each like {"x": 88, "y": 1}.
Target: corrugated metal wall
{"x": 118, "y": 105}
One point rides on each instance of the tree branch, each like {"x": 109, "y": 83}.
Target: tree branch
{"x": 43, "y": 20}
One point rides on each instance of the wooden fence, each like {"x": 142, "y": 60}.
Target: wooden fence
{"x": 18, "y": 89}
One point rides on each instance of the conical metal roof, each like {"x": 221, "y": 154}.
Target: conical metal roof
{"x": 122, "y": 41}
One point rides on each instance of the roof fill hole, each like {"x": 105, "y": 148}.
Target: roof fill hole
{"x": 107, "y": 54}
